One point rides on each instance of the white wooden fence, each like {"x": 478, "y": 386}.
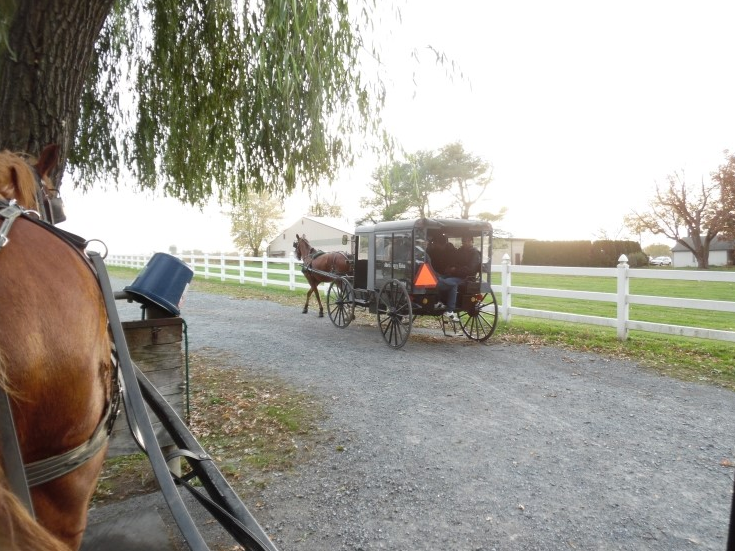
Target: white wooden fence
{"x": 622, "y": 298}
{"x": 287, "y": 272}
{"x": 253, "y": 269}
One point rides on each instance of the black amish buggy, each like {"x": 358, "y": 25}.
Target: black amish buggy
{"x": 393, "y": 276}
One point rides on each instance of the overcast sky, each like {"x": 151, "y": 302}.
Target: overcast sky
{"x": 580, "y": 106}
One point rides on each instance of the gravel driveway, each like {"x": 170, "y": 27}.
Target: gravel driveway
{"x": 449, "y": 444}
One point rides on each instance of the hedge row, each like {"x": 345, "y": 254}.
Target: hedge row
{"x": 596, "y": 254}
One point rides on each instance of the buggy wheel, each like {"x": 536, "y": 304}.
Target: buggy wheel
{"x": 479, "y": 321}
{"x": 341, "y": 302}
{"x": 395, "y": 314}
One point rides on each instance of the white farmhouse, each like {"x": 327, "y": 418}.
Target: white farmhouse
{"x": 326, "y": 234}
{"x": 721, "y": 253}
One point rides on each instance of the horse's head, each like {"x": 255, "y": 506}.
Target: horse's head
{"x": 26, "y": 180}
{"x": 297, "y": 246}
{"x": 302, "y": 247}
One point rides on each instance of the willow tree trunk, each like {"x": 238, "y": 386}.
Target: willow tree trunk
{"x": 43, "y": 73}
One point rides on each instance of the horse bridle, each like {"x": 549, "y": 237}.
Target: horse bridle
{"x": 49, "y": 199}
{"x": 49, "y": 202}
{"x": 309, "y": 255}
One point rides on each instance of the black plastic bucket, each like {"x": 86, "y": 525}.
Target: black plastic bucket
{"x": 163, "y": 282}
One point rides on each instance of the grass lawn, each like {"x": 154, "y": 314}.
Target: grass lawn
{"x": 706, "y": 290}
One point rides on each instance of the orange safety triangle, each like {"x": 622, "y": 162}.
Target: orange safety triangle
{"x": 426, "y": 277}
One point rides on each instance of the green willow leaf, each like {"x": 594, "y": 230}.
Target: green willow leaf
{"x": 205, "y": 98}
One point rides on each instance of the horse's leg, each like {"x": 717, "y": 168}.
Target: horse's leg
{"x": 312, "y": 288}
{"x": 306, "y": 304}
{"x": 319, "y": 300}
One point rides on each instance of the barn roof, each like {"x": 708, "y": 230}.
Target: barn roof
{"x": 716, "y": 244}
{"x": 336, "y": 223}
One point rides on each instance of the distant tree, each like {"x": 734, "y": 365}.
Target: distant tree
{"x": 407, "y": 188}
{"x": 321, "y": 207}
{"x": 465, "y": 175}
{"x": 608, "y": 234}
{"x": 691, "y": 216}
{"x": 421, "y": 182}
{"x": 725, "y": 177}
{"x": 657, "y": 249}
{"x": 404, "y": 188}
{"x": 172, "y": 249}
{"x": 492, "y": 217}
{"x": 253, "y": 220}
{"x": 387, "y": 200}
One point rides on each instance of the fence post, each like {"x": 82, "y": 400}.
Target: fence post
{"x": 623, "y": 292}
{"x": 206, "y": 265}
{"x": 265, "y": 269}
{"x": 222, "y": 267}
{"x": 242, "y": 269}
{"x": 291, "y": 271}
{"x": 505, "y": 280}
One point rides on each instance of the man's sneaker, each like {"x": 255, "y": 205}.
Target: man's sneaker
{"x": 451, "y": 316}
{"x": 439, "y": 306}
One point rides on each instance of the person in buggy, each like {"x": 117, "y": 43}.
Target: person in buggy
{"x": 443, "y": 258}
{"x": 468, "y": 259}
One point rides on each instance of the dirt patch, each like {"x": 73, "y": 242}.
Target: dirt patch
{"x": 251, "y": 425}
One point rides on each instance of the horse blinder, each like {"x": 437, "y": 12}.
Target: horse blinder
{"x": 53, "y": 206}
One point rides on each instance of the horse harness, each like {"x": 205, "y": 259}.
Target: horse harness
{"x": 21, "y": 477}
{"x": 313, "y": 255}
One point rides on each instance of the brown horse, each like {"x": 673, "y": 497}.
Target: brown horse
{"x": 55, "y": 365}
{"x": 319, "y": 267}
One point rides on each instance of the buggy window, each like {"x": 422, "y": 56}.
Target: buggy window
{"x": 394, "y": 257}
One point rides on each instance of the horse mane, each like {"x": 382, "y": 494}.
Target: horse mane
{"x": 18, "y": 530}
{"x": 17, "y": 180}
{"x": 4, "y": 383}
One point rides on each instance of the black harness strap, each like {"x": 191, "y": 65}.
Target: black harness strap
{"x": 138, "y": 417}
{"x": 137, "y": 391}
{"x": 12, "y": 458}
{"x": 45, "y": 470}
{"x": 9, "y": 213}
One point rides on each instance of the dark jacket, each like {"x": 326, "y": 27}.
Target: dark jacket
{"x": 467, "y": 261}
{"x": 442, "y": 258}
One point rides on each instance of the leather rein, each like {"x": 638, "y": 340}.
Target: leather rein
{"x": 21, "y": 477}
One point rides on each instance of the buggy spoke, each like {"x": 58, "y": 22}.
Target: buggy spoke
{"x": 479, "y": 322}
{"x": 341, "y": 302}
{"x": 394, "y": 313}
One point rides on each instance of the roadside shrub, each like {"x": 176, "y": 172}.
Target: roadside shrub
{"x": 557, "y": 253}
{"x": 598, "y": 254}
{"x": 636, "y": 260}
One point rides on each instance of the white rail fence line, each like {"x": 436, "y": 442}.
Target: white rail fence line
{"x": 622, "y": 298}
{"x": 253, "y": 269}
{"x": 259, "y": 269}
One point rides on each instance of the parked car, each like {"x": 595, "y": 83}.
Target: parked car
{"x": 661, "y": 261}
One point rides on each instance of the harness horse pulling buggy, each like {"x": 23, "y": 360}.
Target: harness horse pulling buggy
{"x": 392, "y": 275}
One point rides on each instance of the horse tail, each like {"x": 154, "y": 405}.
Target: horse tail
{"x": 18, "y": 530}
